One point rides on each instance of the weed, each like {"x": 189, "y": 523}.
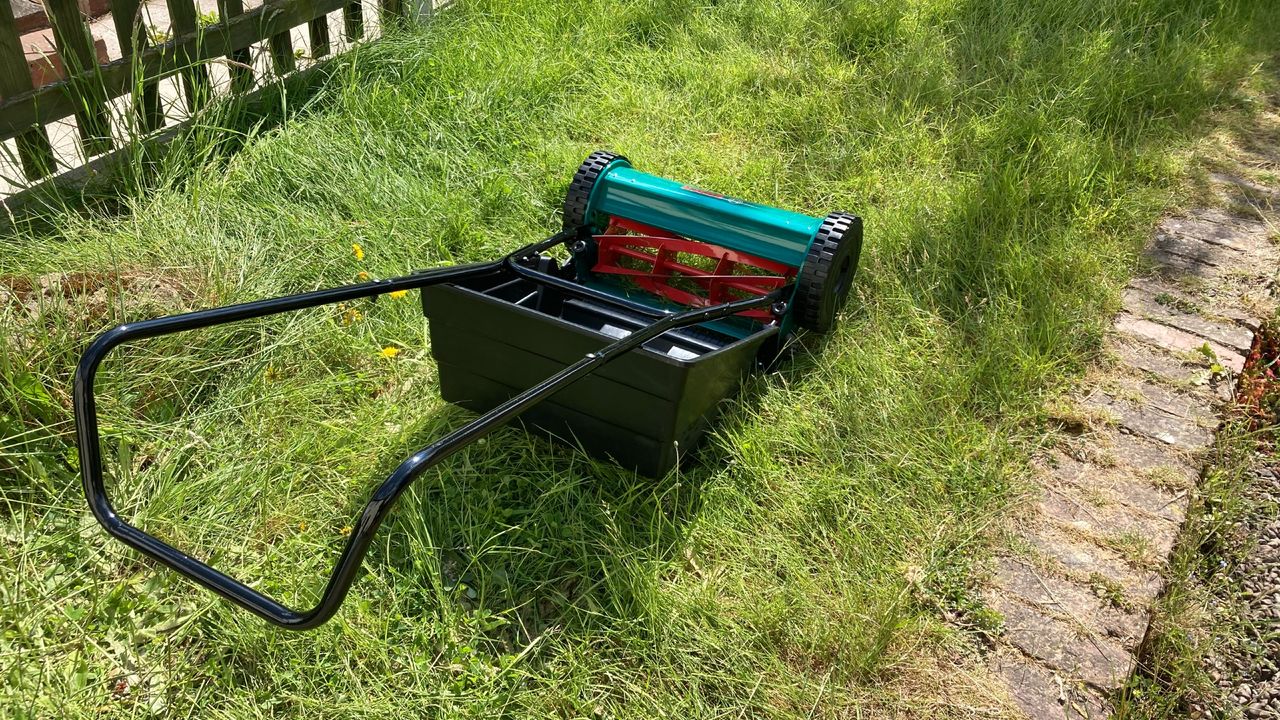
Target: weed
{"x": 1178, "y": 303}
{"x": 157, "y": 36}
{"x": 1109, "y": 590}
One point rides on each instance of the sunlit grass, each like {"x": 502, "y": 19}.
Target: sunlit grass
{"x": 1008, "y": 160}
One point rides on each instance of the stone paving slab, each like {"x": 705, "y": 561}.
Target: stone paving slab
{"x": 1242, "y": 189}
{"x": 1211, "y": 255}
{"x": 1175, "y": 339}
{"x": 1204, "y": 301}
{"x": 1165, "y": 422}
{"x": 1219, "y": 228}
{"x": 1061, "y": 646}
{"x": 1162, "y": 308}
{"x": 1114, "y": 485}
{"x": 1186, "y": 374}
{"x": 1084, "y": 561}
{"x": 1042, "y": 693}
{"x": 1106, "y": 521}
{"x": 1108, "y": 502}
{"x": 1070, "y": 602}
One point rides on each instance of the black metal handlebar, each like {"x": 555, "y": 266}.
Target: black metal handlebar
{"x": 344, "y": 572}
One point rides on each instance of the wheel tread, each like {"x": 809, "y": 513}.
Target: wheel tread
{"x": 815, "y": 309}
{"x": 584, "y": 181}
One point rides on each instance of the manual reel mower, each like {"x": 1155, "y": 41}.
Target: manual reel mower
{"x": 671, "y": 295}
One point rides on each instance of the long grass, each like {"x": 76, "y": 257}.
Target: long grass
{"x": 1008, "y": 158}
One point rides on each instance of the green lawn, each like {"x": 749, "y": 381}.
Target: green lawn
{"x": 1009, "y": 159}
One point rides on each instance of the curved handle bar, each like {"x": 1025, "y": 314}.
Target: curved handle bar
{"x": 344, "y": 572}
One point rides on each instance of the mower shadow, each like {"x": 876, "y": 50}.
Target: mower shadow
{"x": 532, "y": 530}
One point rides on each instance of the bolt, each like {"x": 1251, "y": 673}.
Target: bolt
{"x": 778, "y": 309}
{"x": 580, "y": 246}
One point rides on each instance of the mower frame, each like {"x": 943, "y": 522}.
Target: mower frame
{"x": 384, "y": 497}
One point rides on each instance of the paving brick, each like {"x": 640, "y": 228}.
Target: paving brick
{"x": 1082, "y": 559}
{"x": 43, "y": 61}
{"x": 1099, "y": 661}
{"x": 1157, "y": 414}
{"x": 1247, "y": 235}
{"x": 1148, "y": 305}
{"x": 1070, "y": 601}
{"x": 1176, "y": 340}
{"x": 28, "y": 15}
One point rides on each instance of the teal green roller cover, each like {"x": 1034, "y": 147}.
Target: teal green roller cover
{"x": 760, "y": 230}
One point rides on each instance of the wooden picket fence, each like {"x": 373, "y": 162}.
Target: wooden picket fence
{"x": 91, "y": 90}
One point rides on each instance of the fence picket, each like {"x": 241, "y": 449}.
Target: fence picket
{"x": 34, "y": 149}
{"x": 50, "y": 103}
{"x": 133, "y": 39}
{"x": 353, "y": 21}
{"x": 318, "y": 30}
{"x": 241, "y": 68}
{"x": 195, "y": 75}
{"x": 281, "y": 47}
{"x": 89, "y": 86}
{"x": 75, "y": 48}
{"x": 392, "y": 12}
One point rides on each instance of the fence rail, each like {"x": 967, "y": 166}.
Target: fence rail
{"x": 115, "y": 100}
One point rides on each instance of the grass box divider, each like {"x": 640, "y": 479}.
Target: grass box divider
{"x": 642, "y": 412}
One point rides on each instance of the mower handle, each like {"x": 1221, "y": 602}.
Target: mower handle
{"x": 344, "y": 572}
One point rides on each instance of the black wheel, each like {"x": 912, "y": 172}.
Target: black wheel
{"x": 575, "y": 201}
{"x": 827, "y": 274}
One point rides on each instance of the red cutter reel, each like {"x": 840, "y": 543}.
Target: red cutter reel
{"x": 651, "y": 258}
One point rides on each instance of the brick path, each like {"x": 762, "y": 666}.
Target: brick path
{"x": 1107, "y": 503}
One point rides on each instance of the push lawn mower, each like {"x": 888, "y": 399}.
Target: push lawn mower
{"x": 670, "y": 297}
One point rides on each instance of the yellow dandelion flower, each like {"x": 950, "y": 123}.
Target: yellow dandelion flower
{"x": 362, "y": 275}
{"x": 346, "y": 530}
{"x": 397, "y": 294}
{"x": 390, "y": 352}
{"x": 359, "y": 251}
{"x": 302, "y": 527}
{"x": 351, "y": 316}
